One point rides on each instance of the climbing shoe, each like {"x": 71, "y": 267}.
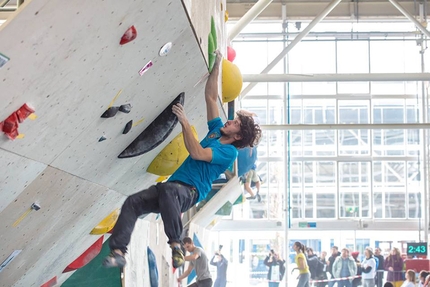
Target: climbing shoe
{"x": 114, "y": 260}
{"x": 177, "y": 257}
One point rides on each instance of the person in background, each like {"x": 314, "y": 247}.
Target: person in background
{"x": 394, "y": 265}
{"x": 302, "y": 264}
{"x": 344, "y": 266}
{"x": 323, "y": 275}
{"x": 368, "y": 267}
{"x": 252, "y": 178}
{"x": 313, "y": 263}
{"x": 356, "y": 281}
{"x": 334, "y": 253}
{"x": 410, "y": 279}
{"x": 276, "y": 268}
{"x": 199, "y": 262}
{"x": 426, "y": 282}
{"x": 221, "y": 269}
{"x": 422, "y": 278}
{"x": 380, "y": 269}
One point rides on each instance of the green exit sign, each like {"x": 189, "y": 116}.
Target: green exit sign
{"x": 307, "y": 224}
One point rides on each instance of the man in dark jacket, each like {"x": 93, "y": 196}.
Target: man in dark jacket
{"x": 334, "y": 253}
{"x": 315, "y": 266}
{"x": 380, "y": 270}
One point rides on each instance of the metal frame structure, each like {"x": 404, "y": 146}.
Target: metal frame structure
{"x": 264, "y": 77}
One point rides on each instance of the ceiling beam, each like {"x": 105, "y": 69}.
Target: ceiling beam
{"x": 307, "y": 10}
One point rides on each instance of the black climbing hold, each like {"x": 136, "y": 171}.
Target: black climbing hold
{"x": 110, "y": 112}
{"x": 125, "y": 108}
{"x": 156, "y": 132}
{"x": 127, "y": 127}
{"x": 102, "y": 139}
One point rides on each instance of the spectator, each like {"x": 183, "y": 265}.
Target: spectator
{"x": 422, "y": 278}
{"x": 199, "y": 262}
{"x": 221, "y": 269}
{"x": 426, "y": 282}
{"x": 302, "y": 264}
{"x": 315, "y": 265}
{"x": 334, "y": 253}
{"x": 380, "y": 269}
{"x": 356, "y": 281}
{"x": 368, "y": 267}
{"x": 343, "y": 267}
{"x": 323, "y": 275}
{"x": 410, "y": 279}
{"x": 394, "y": 265}
{"x": 276, "y": 268}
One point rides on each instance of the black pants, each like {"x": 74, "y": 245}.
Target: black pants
{"x": 202, "y": 283}
{"x": 169, "y": 199}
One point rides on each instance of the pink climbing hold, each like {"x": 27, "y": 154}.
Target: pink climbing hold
{"x": 129, "y": 35}
{"x": 231, "y": 54}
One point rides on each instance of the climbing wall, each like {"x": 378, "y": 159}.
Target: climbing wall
{"x": 67, "y": 63}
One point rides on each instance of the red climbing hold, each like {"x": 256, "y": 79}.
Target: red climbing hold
{"x": 50, "y": 283}
{"x": 129, "y": 35}
{"x": 23, "y": 112}
{"x": 11, "y": 123}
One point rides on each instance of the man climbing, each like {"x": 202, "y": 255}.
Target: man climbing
{"x": 192, "y": 180}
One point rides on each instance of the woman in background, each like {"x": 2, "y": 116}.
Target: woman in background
{"x": 410, "y": 279}
{"x": 394, "y": 265}
{"x": 302, "y": 265}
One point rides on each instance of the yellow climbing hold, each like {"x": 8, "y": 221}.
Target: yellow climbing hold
{"x": 231, "y": 81}
{"x": 106, "y": 224}
{"x": 171, "y": 157}
{"x": 161, "y": 178}
{"x": 226, "y": 16}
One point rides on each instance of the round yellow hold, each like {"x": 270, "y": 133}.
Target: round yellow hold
{"x": 171, "y": 157}
{"x": 226, "y": 16}
{"x": 231, "y": 81}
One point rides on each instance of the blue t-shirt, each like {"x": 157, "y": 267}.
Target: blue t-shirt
{"x": 246, "y": 160}
{"x": 201, "y": 174}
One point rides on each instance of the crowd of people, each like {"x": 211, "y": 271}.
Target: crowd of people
{"x": 345, "y": 269}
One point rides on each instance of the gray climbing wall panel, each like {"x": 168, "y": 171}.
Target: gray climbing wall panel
{"x": 66, "y": 61}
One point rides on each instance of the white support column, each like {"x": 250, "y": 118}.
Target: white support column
{"x": 410, "y": 17}
{"x": 257, "y": 78}
{"x": 344, "y": 127}
{"x": 248, "y": 17}
{"x": 296, "y": 40}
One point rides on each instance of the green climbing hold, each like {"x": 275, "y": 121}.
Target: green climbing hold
{"x": 213, "y": 32}
{"x": 211, "y": 52}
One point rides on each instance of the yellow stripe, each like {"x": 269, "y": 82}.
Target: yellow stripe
{"x": 32, "y": 116}
{"x": 15, "y": 224}
{"x": 138, "y": 122}
{"x": 114, "y": 99}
